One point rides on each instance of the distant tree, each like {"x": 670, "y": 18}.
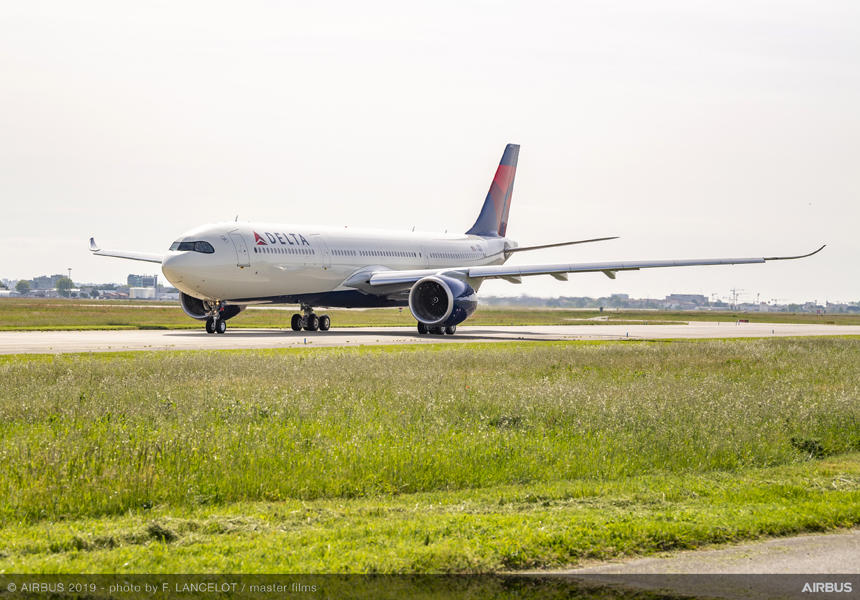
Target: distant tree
{"x": 3, "y": 286}
{"x": 64, "y": 285}
{"x": 23, "y": 287}
{"x": 94, "y": 293}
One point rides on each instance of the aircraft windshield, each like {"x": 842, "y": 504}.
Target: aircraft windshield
{"x": 204, "y": 247}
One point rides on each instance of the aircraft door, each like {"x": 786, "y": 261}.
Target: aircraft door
{"x": 322, "y": 248}
{"x": 243, "y": 258}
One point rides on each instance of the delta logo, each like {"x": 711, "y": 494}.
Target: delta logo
{"x": 284, "y": 239}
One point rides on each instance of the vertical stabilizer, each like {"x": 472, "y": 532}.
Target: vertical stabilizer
{"x": 493, "y": 220}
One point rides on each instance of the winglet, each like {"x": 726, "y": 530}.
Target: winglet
{"x": 93, "y": 246}
{"x": 798, "y": 256}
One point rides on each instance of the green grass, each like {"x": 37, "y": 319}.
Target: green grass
{"x": 52, "y": 314}
{"x": 441, "y": 458}
{"x": 501, "y": 528}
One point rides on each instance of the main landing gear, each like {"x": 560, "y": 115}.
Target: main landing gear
{"x": 424, "y": 329}
{"x": 214, "y": 322}
{"x": 309, "y": 321}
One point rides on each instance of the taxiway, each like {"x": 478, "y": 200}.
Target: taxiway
{"x": 13, "y": 342}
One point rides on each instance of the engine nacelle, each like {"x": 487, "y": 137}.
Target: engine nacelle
{"x": 441, "y": 301}
{"x": 199, "y": 309}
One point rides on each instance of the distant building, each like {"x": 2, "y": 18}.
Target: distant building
{"x": 697, "y": 299}
{"x": 142, "y": 281}
{"x": 113, "y": 295}
{"x": 141, "y": 293}
{"x": 45, "y": 282}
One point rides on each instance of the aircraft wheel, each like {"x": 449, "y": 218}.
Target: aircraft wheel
{"x": 325, "y": 323}
{"x": 296, "y": 322}
{"x": 437, "y": 331}
{"x": 451, "y": 329}
{"x": 210, "y": 325}
{"x": 422, "y": 328}
{"x": 220, "y": 326}
{"x": 312, "y": 323}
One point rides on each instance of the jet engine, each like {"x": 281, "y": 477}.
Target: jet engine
{"x": 442, "y": 301}
{"x": 199, "y": 309}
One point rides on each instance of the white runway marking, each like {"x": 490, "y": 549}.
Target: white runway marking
{"x": 12, "y": 342}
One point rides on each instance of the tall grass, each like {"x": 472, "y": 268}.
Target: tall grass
{"x": 88, "y": 435}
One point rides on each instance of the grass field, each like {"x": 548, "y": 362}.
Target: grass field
{"x": 28, "y": 313}
{"x": 415, "y": 459}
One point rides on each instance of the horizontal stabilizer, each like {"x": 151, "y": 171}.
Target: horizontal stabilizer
{"x": 510, "y": 251}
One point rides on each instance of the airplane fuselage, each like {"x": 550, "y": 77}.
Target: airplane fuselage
{"x": 271, "y": 262}
{"x": 223, "y": 267}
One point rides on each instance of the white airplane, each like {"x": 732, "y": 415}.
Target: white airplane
{"x": 222, "y": 268}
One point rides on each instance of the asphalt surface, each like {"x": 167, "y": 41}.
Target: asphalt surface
{"x": 12, "y": 342}
{"x": 816, "y": 553}
{"x": 772, "y": 568}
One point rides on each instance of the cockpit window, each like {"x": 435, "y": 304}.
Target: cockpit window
{"x": 204, "y": 247}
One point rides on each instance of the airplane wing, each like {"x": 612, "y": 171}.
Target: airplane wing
{"x": 514, "y": 273}
{"x": 145, "y": 256}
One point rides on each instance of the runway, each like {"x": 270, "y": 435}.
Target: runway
{"x": 47, "y": 342}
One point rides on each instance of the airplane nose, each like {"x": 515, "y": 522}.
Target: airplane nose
{"x": 175, "y": 267}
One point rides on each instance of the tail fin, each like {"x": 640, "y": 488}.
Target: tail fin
{"x": 493, "y": 220}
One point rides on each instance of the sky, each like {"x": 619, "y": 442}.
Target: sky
{"x": 690, "y": 129}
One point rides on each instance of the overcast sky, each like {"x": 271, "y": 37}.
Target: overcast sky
{"x": 691, "y": 129}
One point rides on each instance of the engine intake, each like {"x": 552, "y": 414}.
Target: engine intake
{"x": 440, "y": 301}
{"x": 199, "y": 309}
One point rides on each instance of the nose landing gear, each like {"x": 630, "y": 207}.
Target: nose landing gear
{"x": 214, "y": 325}
{"x": 214, "y": 322}
{"x": 309, "y": 321}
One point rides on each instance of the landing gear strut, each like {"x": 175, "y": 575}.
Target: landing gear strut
{"x": 214, "y": 322}
{"x": 309, "y": 321}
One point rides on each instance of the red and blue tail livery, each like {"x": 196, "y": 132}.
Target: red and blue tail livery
{"x": 493, "y": 220}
